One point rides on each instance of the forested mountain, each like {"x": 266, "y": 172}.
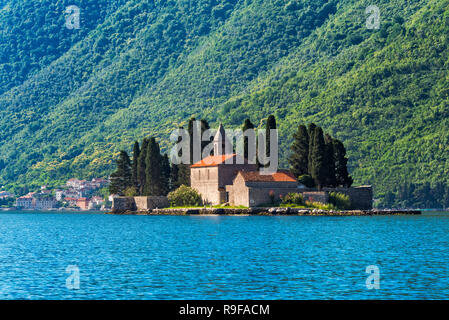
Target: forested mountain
{"x": 70, "y": 99}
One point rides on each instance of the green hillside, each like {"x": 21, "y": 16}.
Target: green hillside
{"x": 70, "y": 99}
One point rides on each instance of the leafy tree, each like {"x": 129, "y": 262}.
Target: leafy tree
{"x": 121, "y": 178}
{"x": 299, "y": 156}
{"x": 185, "y": 196}
{"x": 306, "y": 180}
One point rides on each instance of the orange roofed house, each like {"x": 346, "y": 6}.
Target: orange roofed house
{"x": 228, "y": 178}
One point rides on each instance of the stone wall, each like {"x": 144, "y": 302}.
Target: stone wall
{"x": 361, "y": 197}
{"x": 316, "y": 196}
{"x": 123, "y": 204}
{"x": 149, "y": 203}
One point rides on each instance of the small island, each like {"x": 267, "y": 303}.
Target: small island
{"x": 317, "y": 182}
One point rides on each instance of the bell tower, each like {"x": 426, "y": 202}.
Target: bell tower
{"x": 221, "y": 142}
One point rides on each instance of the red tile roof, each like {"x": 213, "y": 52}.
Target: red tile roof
{"x": 279, "y": 176}
{"x": 212, "y": 161}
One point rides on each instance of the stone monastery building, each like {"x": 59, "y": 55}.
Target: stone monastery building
{"x": 228, "y": 178}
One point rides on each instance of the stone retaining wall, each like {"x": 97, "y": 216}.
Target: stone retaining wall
{"x": 130, "y": 204}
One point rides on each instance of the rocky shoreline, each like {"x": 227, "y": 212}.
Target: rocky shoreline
{"x": 268, "y": 212}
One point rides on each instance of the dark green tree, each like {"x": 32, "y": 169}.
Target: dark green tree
{"x": 342, "y": 176}
{"x": 270, "y": 125}
{"x": 174, "y": 177}
{"x": 121, "y": 178}
{"x": 136, "y": 153}
{"x": 311, "y": 131}
{"x": 205, "y": 126}
{"x": 247, "y": 125}
{"x": 317, "y": 155}
{"x": 165, "y": 175}
{"x": 141, "y": 167}
{"x": 153, "y": 169}
{"x": 299, "y": 157}
{"x": 191, "y": 127}
{"x": 329, "y": 162}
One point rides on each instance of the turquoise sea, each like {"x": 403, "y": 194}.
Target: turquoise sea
{"x": 221, "y": 257}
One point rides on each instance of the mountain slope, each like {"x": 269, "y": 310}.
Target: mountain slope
{"x": 144, "y": 67}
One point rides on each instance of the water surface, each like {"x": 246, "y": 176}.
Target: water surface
{"x": 182, "y": 257}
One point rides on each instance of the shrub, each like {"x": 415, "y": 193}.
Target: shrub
{"x": 340, "y": 200}
{"x": 185, "y": 196}
{"x": 307, "y": 180}
{"x": 131, "y": 192}
{"x": 272, "y": 196}
{"x": 293, "y": 198}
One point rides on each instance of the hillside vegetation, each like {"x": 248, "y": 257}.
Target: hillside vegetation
{"x": 71, "y": 99}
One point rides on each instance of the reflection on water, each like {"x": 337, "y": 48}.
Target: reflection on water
{"x": 158, "y": 257}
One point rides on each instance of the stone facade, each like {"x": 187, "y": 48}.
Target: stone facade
{"x": 149, "y": 203}
{"x": 361, "y": 197}
{"x": 251, "y": 189}
{"x": 316, "y": 196}
{"x": 211, "y": 176}
{"x": 124, "y": 204}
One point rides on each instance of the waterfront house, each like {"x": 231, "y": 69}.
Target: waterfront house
{"x": 83, "y": 203}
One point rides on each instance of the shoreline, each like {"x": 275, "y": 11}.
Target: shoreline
{"x": 275, "y": 211}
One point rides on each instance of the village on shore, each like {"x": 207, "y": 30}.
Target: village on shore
{"x": 74, "y": 195}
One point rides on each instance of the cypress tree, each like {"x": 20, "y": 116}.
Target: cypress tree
{"x": 191, "y": 127}
{"x": 204, "y": 126}
{"x": 247, "y": 125}
{"x": 330, "y": 162}
{"x": 121, "y": 178}
{"x": 174, "y": 177}
{"x": 165, "y": 175}
{"x": 136, "y": 153}
{"x": 318, "y": 151}
{"x": 153, "y": 166}
{"x": 299, "y": 157}
{"x": 141, "y": 167}
{"x": 271, "y": 124}
{"x": 183, "y": 175}
{"x": 311, "y": 131}
{"x": 183, "y": 170}
{"x": 342, "y": 176}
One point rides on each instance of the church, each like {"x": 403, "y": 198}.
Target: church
{"x": 229, "y": 178}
